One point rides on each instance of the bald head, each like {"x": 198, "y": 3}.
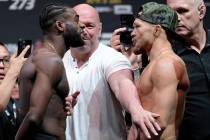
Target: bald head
{"x": 198, "y": 2}
{"x": 87, "y": 11}
{"x": 90, "y": 23}
{"x": 191, "y": 14}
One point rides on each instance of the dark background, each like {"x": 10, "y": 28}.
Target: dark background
{"x": 21, "y": 20}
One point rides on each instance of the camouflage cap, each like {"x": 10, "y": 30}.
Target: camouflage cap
{"x": 161, "y": 14}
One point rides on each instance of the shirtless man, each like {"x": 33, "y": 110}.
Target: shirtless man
{"x": 163, "y": 83}
{"x": 43, "y": 83}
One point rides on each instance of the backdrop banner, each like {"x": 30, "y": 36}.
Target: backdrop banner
{"x": 19, "y": 18}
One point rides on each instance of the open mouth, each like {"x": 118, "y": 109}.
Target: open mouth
{"x": 2, "y": 76}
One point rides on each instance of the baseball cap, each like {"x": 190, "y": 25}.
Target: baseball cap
{"x": 161, "y": 14}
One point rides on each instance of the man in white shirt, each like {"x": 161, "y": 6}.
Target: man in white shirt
{"x": 105, "y": 81}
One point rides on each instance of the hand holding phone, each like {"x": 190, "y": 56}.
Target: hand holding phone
{"x": 22, "y": 45}
{"x": 125, "y": 36}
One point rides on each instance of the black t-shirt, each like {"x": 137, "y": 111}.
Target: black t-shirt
{"x": 196, "y": 121}
{"x": 8, "y": 125}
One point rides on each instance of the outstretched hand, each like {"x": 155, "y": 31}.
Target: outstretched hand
{"x": 71, "y": 102}
{"x": 146, "y": 122}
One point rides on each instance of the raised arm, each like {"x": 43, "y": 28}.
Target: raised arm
{"x": 125, "y": 91}
{"x": 115, "y": 39}
{"x": 10, "y": 78}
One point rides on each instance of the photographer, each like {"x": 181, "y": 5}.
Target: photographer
{"x": 9, "y": 71}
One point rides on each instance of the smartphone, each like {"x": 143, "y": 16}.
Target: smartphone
{"x": 126, "y": 21}
{"x": 21, "y": 46}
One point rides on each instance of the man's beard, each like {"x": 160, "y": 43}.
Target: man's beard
{"x": 72, "y": 36}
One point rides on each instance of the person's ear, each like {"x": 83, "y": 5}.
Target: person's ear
{"x": 59, "y": 26}
{"x": 202, "y": 11}
{"x": 157, "y": 30}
